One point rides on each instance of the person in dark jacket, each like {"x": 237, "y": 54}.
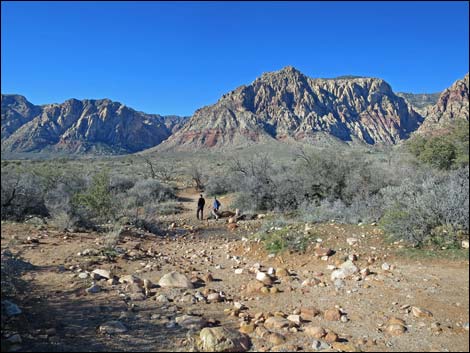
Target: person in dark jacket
{"x": 200, "y": 207}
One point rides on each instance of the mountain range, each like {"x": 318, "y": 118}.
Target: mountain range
{"x": 278, "y": 106}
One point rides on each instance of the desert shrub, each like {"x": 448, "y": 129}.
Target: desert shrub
{"x": 279, "y": 236}
{"x": 119, "y": 183}
{"x": 98, "y": 198}
{"x": 418, "y": 207}
{"x": 219, "y": 185}
{"x": 59, "y": 205}
{"x": 21, "y": 195}
{"x": 446, "y": 151}
{"x": 149, "y": 190}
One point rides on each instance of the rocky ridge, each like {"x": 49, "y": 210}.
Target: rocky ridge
{"x": 81, "y": 126}
{"x": 286, "y": 104}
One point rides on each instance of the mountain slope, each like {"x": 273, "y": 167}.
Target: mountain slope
{"x": 86, "y": 126}
{"x": 289, "y": 105}
{"x": 452, "y": 106}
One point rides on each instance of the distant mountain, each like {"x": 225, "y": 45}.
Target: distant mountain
{"x": 286, "y": 104}
{"x": 420, "y": 101}
{"x": 81, "y": 126}
{"x": 452, "y": 106}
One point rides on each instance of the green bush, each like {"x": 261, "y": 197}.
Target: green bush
{"x": 97, "y": 198}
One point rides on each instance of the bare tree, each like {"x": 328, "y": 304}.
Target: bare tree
{"x": 197, "y": 177}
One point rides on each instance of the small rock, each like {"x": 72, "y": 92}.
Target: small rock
{"x": 113, "y": 327}
{"x": 94, "y": 289}
{"x": 10, "y": 308}
{"x": 318, "y": 345}
{"x": 331, "y": 337}
{"x": 385, "y": 266}
{"x": 191, "y": 322}
{"x": 83, "y": 275}
{"x": 332, "y": 315}
{"x": 214, "y": 298}
{"x": 100, "y": 273}
{"x": 14, "y": 339}
{"x": 295, "y": 319}
{"x": 315, "y": 331}
{"x": 276, "y": 323}
{"x": 419, "y": 312}
{"x": 264, "y": 278}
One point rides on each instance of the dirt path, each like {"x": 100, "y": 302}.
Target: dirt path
{"x": 59, "y": 315}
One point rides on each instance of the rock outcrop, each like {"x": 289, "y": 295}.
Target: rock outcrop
{"x": 452, "y": 106}
{"x": 289, "y": 105}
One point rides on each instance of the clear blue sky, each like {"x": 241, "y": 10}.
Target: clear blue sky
{"x": 172, "y": 58}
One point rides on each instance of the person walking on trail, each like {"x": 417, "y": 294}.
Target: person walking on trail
{"x": 200, "y": 207}
{"x": 215, "y": 208}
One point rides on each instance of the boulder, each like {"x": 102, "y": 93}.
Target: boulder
{"x": 221, "y": 339}
{"x": 175, "y": 280}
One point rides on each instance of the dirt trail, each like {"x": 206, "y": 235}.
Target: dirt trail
{"x": 59, "y": 315}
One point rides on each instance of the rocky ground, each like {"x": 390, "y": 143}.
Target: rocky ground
{"x": 211, "y": 286}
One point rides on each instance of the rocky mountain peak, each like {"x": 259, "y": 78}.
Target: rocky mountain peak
{"x": 286, "y": 104}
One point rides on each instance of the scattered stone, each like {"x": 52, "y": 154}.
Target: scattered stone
{"x": 344, "y": 347}
{"x": 282, "y": 272}
{"x": 320, "y": 252}
{"x": 207, "y": 278}
{"x": 221, "y": 339}
{"x": 14, "y": 339}
{"x": 295, "y": 319}
{"x": 419, "y": 312}
{"x": 345, "y": 270}
{"x": 162, "y": 299}
{"x": 318, "y": 345}
{"x": 100, "y": 273}
{"x": 254, "y": 287}
{"x": 273, "y": 290}
{"x": 214, "y": 298}
{"x": 352, "y": 241}
{"x": 94, "y": 289}
{"x": 247, "y": 328}
{"x": 191, "y": 322}
{"x": 332, "y": 315}
{"x": 10, "y": 308}
{"x": 175, "y": 280}
{"x": 315, "y": 331}
{"x": 276, "y": 323}
{"x": 331, "y": 337}
{"x": 131, "y": 279}
{"x": 275, "y": 338}
{"x": 264, "y": 278}
{"x": 307, "y": 314}
{"x": 395, "y": 327}
{"x": 239, "y": 271}
{"x": 465, "y": 244}
{"x": 386, "y": 266}
{"x": 83, "y": 275}
{"x": 113, "y": 327}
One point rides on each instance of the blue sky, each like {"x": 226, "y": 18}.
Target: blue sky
{"x": 175, "y": 57}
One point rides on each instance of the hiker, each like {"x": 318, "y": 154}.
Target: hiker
{"x": 215, "y": 208}
{"x": 200, "y": 207}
